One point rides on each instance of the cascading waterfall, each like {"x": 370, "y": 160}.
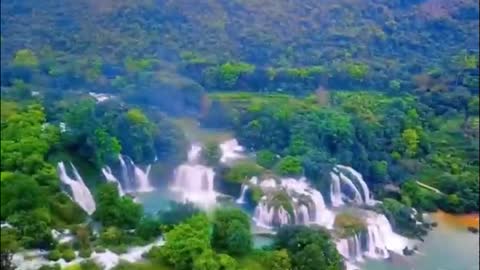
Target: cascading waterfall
{"x": 195, "y": 181}
{"x": 358, "y": 176}
{"x": 302, "y": 215}
{"x": 320, "y": 214}
{"x": 231, "y": 150}
{"x": 107, "y": 172}
{"x": 80, "y": 192}
{"x": 310, "y": 209}
{"x": 357, "y": 196}
{"x": 382, "y": 238}
{"x": 337, "y": 194}
{"x": 137, "y": 180}
{"x": 380, "y": 241}
{"x": 241, "y": 199}
{"x": 268, "y": 216}
{"x": 335, "y": 191}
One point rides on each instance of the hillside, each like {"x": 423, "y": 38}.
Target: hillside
{"x": 381, "y": 43}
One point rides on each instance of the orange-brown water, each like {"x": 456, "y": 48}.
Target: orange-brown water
{"x": 459, "y": 221}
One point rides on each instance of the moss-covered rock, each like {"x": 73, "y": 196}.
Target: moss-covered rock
{"x": 282, "y": 199}
{"x": 347, "y": 225}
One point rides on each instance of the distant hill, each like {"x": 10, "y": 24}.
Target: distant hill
{"x": 391, "y": 41}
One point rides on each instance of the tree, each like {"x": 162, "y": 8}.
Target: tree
{"x": 308, "y": 248}
{"x": 185, "y": 243}
{"x": 266, "y": 158}
{"x": 278, "y": 260}
{"x": 148, "y": 228}
{"x": 242, "y": 172}
{"x": 289, "y": 166}
{"x": 25, "y": 58}
{"x": 211, "y": 153}
{"x": 113, "y": 210}
{"x": 106, "y": 147}
{"x": 411, "y": 141}
{"x": 231, "y": 231}
{"x": 206, "y": 261}
{"x": 13, "y": 199}
{"x": 8, "y": 246}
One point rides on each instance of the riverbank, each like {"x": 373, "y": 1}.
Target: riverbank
{"x": 457, "y": 221}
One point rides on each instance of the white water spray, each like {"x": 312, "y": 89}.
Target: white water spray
{"x": 81, "y": 193}
{"x": 107, "y": 172}
{"x": 195, "y": 181}
{"x": 241, "y": 199}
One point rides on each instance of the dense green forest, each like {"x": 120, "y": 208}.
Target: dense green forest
{"x": 388, "y": 87}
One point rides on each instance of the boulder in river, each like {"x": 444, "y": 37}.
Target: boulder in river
{"x": 408, "y": 252}
{"x": 472, "y": 229}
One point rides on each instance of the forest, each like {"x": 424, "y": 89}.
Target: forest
{"x": 389, "y": 88}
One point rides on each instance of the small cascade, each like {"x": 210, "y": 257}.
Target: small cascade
{"x": 350, "y": 248}
{"x": 194, "y": 153}
{"x": 195, "y": 181}
{"x": 143, "y": 184}
{"x": 107, "y": 172}
{"x": 308, "y": 206}
{"x": 267, "y": 216}
{"x": 357, "y": 196}
{"x": 318, "y": 212}
{"x": 241, "y": 199}
{"x": 80, "y": 192}
{"x": 231, "y": 150}
{"x": 343, "y": 186}
{"x": 335, "y": 191}
{"x": 263, "y": 216}
{"x": 302, "y": 215}
{"x": 359, "y": 178}
{"x": 134, "y": 178}
{"x": 382, "y": 238}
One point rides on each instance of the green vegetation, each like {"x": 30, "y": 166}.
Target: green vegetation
{"x": 113, "y": 210}
{"x": 308, "y": 248}
{"x": 211, "y": 153}
{"x": 231, "y": 232}
{"x": 242, "y": 171}
{"x": 389, "y": 139}
{"x": 347, "y": 225}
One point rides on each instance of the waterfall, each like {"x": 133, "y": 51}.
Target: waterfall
{"x": 125, "y": 176}
{"x": 81, "y": 193}
{"x": 143, "y": 184}
{"x": 350, "y": 248}
{"x": 107, "y": 172}
{"x": 268, "y": 184}
{"x": 382, "y": 238}
{"x": 302, "y": 216}
{"x": 136, "y": 180}
{"x": 231, "y": 150}
{"x": 323, "y": 216}
{"x": 195, "y": 181}
{"x": 194, "y": 153}
{"x": 357, "y": 196}
{"x": 335, "y": 191}
{"x": 366, "y": 191}
{"x": 320, "y": 214}
{"x": 268, "y": 216}
{"x": 241, "y": 199}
